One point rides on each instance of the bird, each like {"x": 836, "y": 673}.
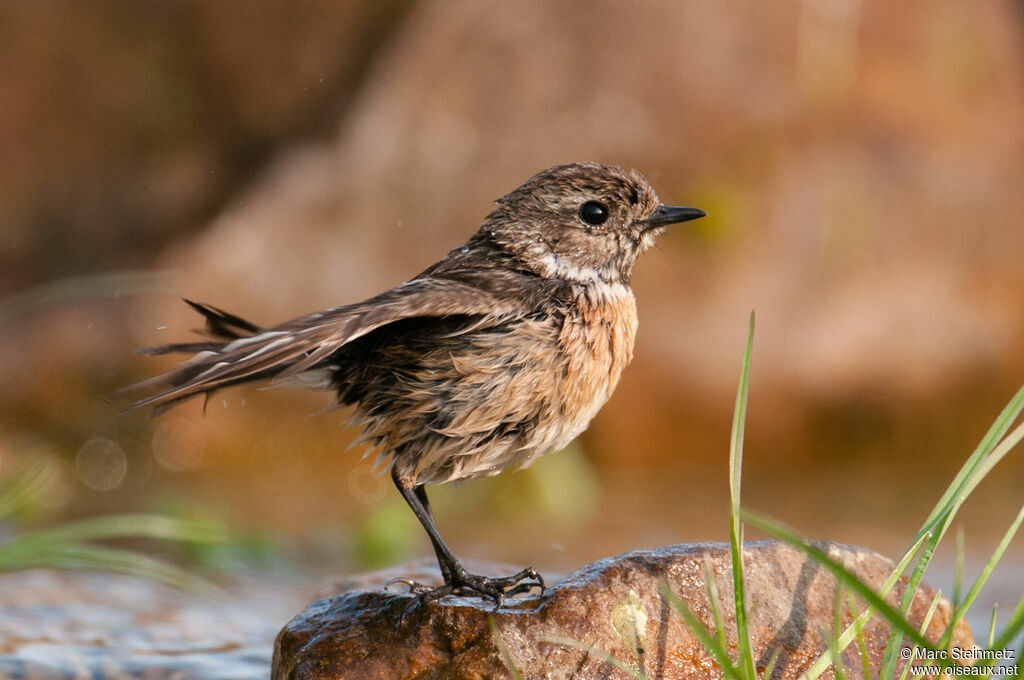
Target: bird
{"x": 500, "y": 352}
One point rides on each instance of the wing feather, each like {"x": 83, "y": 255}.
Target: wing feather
{"x": 299, "y": 345}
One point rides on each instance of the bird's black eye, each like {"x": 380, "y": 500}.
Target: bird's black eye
{"x": 593, "y": 213}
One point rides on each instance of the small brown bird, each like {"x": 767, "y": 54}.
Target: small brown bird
{"x": 500, "y": 352}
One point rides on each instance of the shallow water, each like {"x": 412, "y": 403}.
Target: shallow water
{"x": 91, "y": 625}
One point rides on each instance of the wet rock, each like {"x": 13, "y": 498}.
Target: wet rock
{"x": 613, "y": 605}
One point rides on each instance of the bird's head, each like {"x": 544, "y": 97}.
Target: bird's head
{"x": 582, "y": 222}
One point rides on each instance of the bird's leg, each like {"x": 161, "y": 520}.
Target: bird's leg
{"x": 441, "y": 552}
{"x": 456, "y": 578}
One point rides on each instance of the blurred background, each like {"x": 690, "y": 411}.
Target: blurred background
{"x": 861, "y": 162}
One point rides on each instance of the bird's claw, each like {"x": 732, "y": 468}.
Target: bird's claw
{"x": 464, "y": 583}
{"x": 415, "y": 587}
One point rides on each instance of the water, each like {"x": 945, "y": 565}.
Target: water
{"x": 77, "y": 624}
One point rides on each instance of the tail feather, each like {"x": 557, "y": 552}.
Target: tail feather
{"x": 177, "y": 383}
{"x": 181, "y": 348}
{"x": 221, "y": 324}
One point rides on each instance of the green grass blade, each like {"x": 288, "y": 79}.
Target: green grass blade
{"x": 987, "y": 454}
{"x": 982, "y": 461}
{"x": 746, "y": 655}
{"x": 28, "y": 483}
{"x": 710, "y": 642}
{"x": 599, "y": 653}
{"x": 841, "y": 573}
{"x": 1013, "y": 628}
{"x": 1004, "y": 640}
{"x": 78, "y": 556}
{"x": 958, "y": 567}
{"x": 503, "y": 652}
{"x": 839, "y": 668}
{"x": 989, "y": 462}
{"x": 825, "y": 660}
{"x": 925, "y": 623}
{"x": 770, "y": 668}
{"x": 996, "y": 432}
{"x": 716, "y": 603}
{"x": 905, "y": 673}
{"x": 979, "y": 469}
{"x": 858, "y": 628}
{"x": 739, "y": 418}
{"x": 986, "y": 571}
{"x": 67, "y": 547}
{"x": 127, "y": 526}
{"x": 931, "y": 611}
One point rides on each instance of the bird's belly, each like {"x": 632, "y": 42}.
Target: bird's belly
{"x": 555, "y": 399}
{"x": 598, "y": 345}
{"x": 510, "y": 396}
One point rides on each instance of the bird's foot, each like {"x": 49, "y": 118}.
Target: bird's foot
{"x": 464, "y": 583}
{"x": 461, "y": 582}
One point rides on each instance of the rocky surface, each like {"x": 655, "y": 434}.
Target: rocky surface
{"x": 613, "y": 605}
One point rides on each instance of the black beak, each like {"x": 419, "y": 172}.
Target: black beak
{"x": 670, "y": 214}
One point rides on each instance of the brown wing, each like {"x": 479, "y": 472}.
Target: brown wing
{"x": 301, "y": 344}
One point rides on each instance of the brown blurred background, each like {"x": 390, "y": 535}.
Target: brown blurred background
{"x": 862, "y": 163}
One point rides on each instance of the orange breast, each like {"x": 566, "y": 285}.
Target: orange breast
{"x": 598, "y": 342}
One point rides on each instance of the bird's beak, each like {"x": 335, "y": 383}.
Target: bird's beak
{"x": 670, "y": 214}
